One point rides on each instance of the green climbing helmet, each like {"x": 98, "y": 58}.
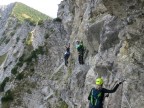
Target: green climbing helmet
{"x": 99, "y": 81}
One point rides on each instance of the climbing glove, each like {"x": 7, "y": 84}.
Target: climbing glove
{"x": 121, "y": 82}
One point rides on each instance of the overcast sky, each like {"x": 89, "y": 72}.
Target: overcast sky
{"x": 49, "y": 7}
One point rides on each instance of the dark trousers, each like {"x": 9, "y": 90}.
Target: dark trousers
{"x": 66, "y": 56}
{"x": 91, "y": 106}
{"x": 80, "y": 58}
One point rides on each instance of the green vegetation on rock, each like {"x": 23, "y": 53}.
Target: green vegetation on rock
{"x": 14, "y": 70}
{"x": 57, "y": 19}
{"x": 2, "y": 85}
{"x": 62, "y": 104}
{"x": 20, "y": 76}
{"x": 29, "y": 39}
{"x": 40, "y": 22}
{"x": 7, "y": 97}
{"x": 34, "y": 54}
{"x": 2, "y": 58}
{"x": 22, "y": 12}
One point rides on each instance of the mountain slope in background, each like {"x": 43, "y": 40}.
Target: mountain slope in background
{"x": 22, "y": 11}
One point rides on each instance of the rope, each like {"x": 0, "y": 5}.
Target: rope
{"x": 119, "y": 80}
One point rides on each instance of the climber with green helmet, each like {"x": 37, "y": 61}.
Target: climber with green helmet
{"x": 96, "y": 96}
{"x": 80, "y": 49}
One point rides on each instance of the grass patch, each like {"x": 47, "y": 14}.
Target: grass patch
{"x": 29, "y": 39}
{"x": 2, "y": 58}
{"x": 22, "y": 12}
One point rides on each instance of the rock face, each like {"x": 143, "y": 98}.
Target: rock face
{"x": 32, "y": 68}
{"x": 112, "y": 32}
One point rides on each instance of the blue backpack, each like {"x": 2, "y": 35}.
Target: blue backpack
{"x": 96, "y": 98}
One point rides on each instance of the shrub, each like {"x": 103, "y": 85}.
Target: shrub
{"x": 20, "y": 76}
{"x": 7, "y": 40}
{"x": 57, "y": 19}
{"x": 7, "y": 97}
{"x": 28, "y": 59}
{"x": 32, "y": 23}
{"x": 12, "y": 33}
{"x": 34, "y": 54}
{"x": 32, "y": 70}
{"x": 40, "y": 50}
{"x": 5, "y": 68}
{"x": 17, "y": 39}
{"x": 14, "y": 70}
{"x": 46, "y": 36}
{"x": 20, "y": 64}
{"x": 27, "y": 19}
{"x": 40, "y": 22}
{"x": 2, "y": 85}
{"x": 21, "y": 58}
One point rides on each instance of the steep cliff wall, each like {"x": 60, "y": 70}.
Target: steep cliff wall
{"x": 112, "y": 32}
{"x": 32, "y": 68}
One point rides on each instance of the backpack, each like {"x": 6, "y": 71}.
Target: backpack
{"x": 96, "y": 97}
{"x": 80, "y": 48}
{"x": 67, "y": 54}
